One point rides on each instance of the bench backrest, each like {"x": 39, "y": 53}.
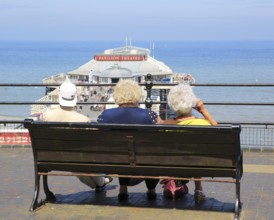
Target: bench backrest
{"x": 155, "y": 150}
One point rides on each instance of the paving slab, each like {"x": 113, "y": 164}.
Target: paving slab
{"x": 77, "y": 201}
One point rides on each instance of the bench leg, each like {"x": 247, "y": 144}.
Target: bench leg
{"x": 34, "y": 203}
{"x": 50, "y": 197}
{"x": 238, "y": 204}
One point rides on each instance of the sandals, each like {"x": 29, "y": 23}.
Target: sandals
{"x": 174, "y": 189}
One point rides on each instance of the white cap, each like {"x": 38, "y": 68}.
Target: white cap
{"x": 67, "y": 94}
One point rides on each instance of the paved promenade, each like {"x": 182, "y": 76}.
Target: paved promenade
{"x": 77, "y": 201}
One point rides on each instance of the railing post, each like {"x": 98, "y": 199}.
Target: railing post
{"x": 148, "y": 85}
{"x": 163, "y": 107}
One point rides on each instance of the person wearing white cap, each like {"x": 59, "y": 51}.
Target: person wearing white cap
{"x": 65, "y": 112}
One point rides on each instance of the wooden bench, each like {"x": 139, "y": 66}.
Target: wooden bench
{"x": 152, "y": 151}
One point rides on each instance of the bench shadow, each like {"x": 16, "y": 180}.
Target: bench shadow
{"x": 139, "y": 199}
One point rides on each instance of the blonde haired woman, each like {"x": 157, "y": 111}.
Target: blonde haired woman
{"x": 127, "y": 95}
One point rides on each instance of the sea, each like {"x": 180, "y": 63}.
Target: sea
{"x": 213, "y": 62}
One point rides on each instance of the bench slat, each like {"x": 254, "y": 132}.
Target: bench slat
{"x": 118, "y": 158}
{"x": 139, "y": 170}
{"x": 140, "y": 147}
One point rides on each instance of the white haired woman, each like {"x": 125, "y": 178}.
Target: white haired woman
{"x": 127, "y": 95}
{"x": 182, "y": 100}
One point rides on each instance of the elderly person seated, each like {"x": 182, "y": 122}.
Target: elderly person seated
{"x": 182, "y": 100}
{"x": 65, "y": 112}
{"x": 127, "y": 95}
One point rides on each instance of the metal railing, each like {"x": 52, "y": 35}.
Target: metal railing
{"x": 254, "y": 135}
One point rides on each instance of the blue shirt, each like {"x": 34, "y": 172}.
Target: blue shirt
{"x": 128, "y": 115}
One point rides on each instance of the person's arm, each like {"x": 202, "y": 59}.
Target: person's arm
{"x": 202, "y": 109}
{"x": 165, "y": 122}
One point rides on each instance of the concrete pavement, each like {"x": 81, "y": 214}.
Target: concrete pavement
{"x": 77, "y": 201}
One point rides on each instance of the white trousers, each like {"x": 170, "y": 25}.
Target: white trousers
{"x": 92, "y": 181}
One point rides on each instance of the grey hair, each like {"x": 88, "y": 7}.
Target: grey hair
{"x": 181, "y": 99}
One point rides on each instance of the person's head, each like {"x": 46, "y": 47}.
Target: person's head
{"x": 127, "y": 92}
{"x": 67, "y": 94}
{"x": 181, "y": 99}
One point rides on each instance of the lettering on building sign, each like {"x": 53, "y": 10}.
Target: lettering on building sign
{"x": 120, "y": 57}
{"x": 14, "y": 138}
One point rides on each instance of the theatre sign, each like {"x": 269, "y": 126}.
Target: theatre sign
{"x": 120, "y": 57}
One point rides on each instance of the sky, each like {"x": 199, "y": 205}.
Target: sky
{"x": 111, "y": 20}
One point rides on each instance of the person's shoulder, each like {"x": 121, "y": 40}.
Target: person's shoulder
{"x": 53, "y": 108}
{"x": 81, "y": 117}
{"x": 108, "y": 111}
{"x": 196, "y": 121}
{"x": 105, "y": 114}
{"x": 49, "y": 113}
{"x": 153, "y": 116}
{"x": 145, "y": 114}
{"x": 140, "y": 110}
{"x": 202, "y": 121}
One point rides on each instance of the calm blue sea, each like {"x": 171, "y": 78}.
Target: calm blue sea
{"x": 208, "y": 62}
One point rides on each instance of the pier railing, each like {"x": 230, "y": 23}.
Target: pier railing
{"x": 257, "y": 135}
